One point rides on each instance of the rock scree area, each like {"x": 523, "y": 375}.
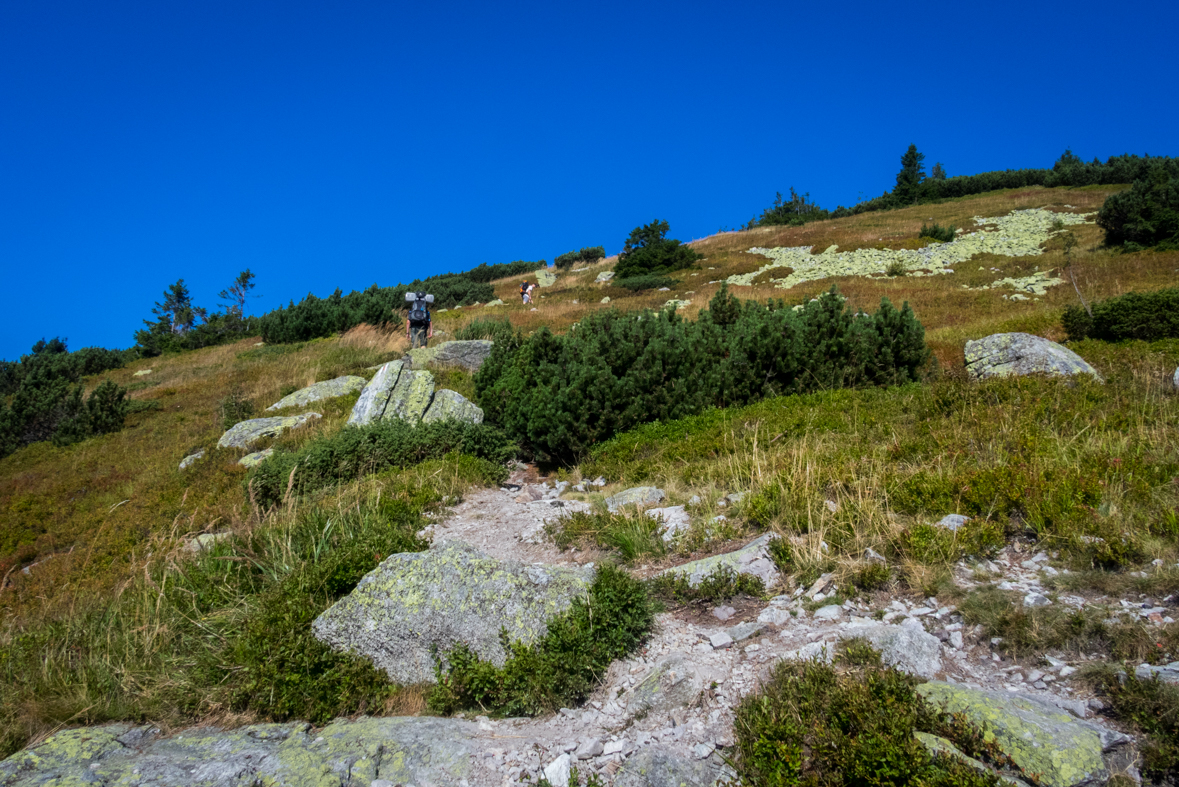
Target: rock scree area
{"x": 662, "y": 717}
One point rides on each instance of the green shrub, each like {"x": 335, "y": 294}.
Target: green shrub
{"x": 563, "y": 667}
{"x": 937, "y": 232}
{"x": 356, "y": 451}
{"x": 927, "y": 543}
{"x": 630, "y": 537}
{"x": 1148, "y": 316}
{"x": 586, "y": 256}
{"x": 721, "y": 585}
{"x": 895, "y": 268}
{"x": 852, "y": 722}
{"x": 1145, "y": 215}
{"x": 795, "y": 212}
{"x": 648, "y": 251}
{"x": 45, "y": 400}
{"x": 1153, "y": 707}
{"x": 559, "y": 395}
{"x": 649, "y": 282}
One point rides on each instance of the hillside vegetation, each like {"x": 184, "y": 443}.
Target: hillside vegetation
{"x": 107, "y": 615}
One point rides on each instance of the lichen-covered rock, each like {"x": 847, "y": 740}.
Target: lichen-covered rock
{"x": 752, "y": 559}
{"x": 676, "y": 303}
{"x": 545, "y": 277}
{"x": 399, "y": 750}
{"x": 247, "y": 433}
{"x": 451, "y": 405}
{"x": 1021, "y": 233}
{"x": 1042, "y": 740}
{"x": 451, "y": 594}
{"x": 328, "y": 389}
{"x": 635, "y": 496}
{"x": 496, "y": 302}
{"x": 935, "y": 744}
{"x": 191, "y": 459}
{"x": 673, "y": 682}
{"x": 256, "y": 458}
{"x": 604, "y": 277}
{"x": 656, "y": 766}
{"x": 1016, "y": 354}
{"x": 375, "y": 396}
{"x": 410, "y": 398}
{"x": 142, "y": 373}
{"x": 469, "y": 354}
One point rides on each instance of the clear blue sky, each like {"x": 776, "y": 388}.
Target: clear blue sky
{"x": 339, "y": 144}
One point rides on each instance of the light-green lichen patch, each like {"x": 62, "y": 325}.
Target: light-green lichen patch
{"x": 1044, "y": 742}
{"x": 1021, "y": 233}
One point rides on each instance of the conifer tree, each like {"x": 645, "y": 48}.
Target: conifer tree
{"x": 234, "y": 298}
{"x": 910, "y": 177}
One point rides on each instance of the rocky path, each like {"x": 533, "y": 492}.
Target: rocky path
{"x": 663, "y": 717}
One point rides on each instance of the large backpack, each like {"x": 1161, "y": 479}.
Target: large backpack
{"x": 418, "y": 312}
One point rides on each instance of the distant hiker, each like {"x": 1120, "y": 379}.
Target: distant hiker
{"x": 420, "y": 328}
{"x": 525, "y": 291}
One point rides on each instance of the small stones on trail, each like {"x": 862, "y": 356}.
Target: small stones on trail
{"x": 589, "y": 749}
{"x": 1036, "y": 600}
{"x": 720, "y": 640}
{"x": 723, "y": 613}
{"x": 557, "y": 771}
{"x": 774, "y": 616}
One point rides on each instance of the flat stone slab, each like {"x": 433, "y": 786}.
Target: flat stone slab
{"x": 1017, "y": 354}
{"x": 751, "y": 559}
{"x": 635, "y": 496}
{"x": 453, "y": 593}
{"x": 328, "y": 389}
{"x": 1041, "y": 739}
{"x": 468, "y": 354}
{"x": 398, "y": 750}
{"x": 247, "y": 433}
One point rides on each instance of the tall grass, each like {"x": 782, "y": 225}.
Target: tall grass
{"x": 224, "y": 633}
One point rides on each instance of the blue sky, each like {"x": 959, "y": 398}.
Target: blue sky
{"x": 328, "y": 145}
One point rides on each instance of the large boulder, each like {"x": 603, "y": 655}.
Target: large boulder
{"x": 375, "y": 396}
{"x": 469, "y": 354}
{"x": 656, "y": 766}
{"x": 247, "y": 433}
{"x": 328, "y": 389}
{"x": 907, "y": 648}
{"x": 752, "y": 559}
{"x": 451, "y": 405}
{"x": 398, "y": 750}
{"x": 545, "y": 277}
{"x": 1042, "y": 740}
{"x": 415, "y": 603}
{"x": 411, "y": 397}
{"x": 1017, "y": 354}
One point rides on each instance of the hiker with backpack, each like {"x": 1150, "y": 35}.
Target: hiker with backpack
{"x": 525, "y": 292}
{"x": 419, "y": 327}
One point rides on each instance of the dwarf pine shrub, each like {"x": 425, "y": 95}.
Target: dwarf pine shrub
{"x": 937, "y": 232}
{"x": 559, "y": 395}
{"x": 644, "y": 282}
{"x": 648, "y": 250}
{"x": 1147, "y": 316}
{"x": 359, "y": 450}
{"x": 1145, "y": 215}
{"x": 585, "y": 256}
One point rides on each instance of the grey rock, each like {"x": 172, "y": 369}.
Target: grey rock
{"x": 906, "y": 648}
{"x": 743, "y": 631}
{"x": 720, "y": 641}
{"x": 604, "y": 276}
{"x": 1036, "y": 600}
{"x": 829, "y": 612}
{"x": 545, "y": 277}
{"x": 774, "y": 616}
{"x": 589, "y": 749}
{"x": 1175, "y": 379}
{"x": 752, "y": 559}
{"x": 398, "y": 750}
{"x": 205, "y": 541}
{"x": 635, "y": 496}
{"x": 191, "y": 459}
{"x": 672, "y": 683}
{"x": 256, "y": 458}
{"x": 453, "y": 406}
{"x": 374, "y": 398}
{"x": 557, "y": 771}
{"x": 952, "y": 522}
{"x": 451, "y": 594}
{"x": 468, "y": 354}
{"x": 873, "y": 556}
{"x": 1041, "y": 739}
{"x": 674, "y": 518}
{"x": 656, "y": 766}
{"x": 1017, "y": 354}
{"x": 723, "y": 613}
{"x": 820, "y": 585}
{"x": 247, "y": 433}
{"x": 328, "y": 389}
{"x": 410, "y": 397}
{"x": 1168, "y": 673}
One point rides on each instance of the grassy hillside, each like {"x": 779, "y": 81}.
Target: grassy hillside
{"x": 83, "y": 524}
